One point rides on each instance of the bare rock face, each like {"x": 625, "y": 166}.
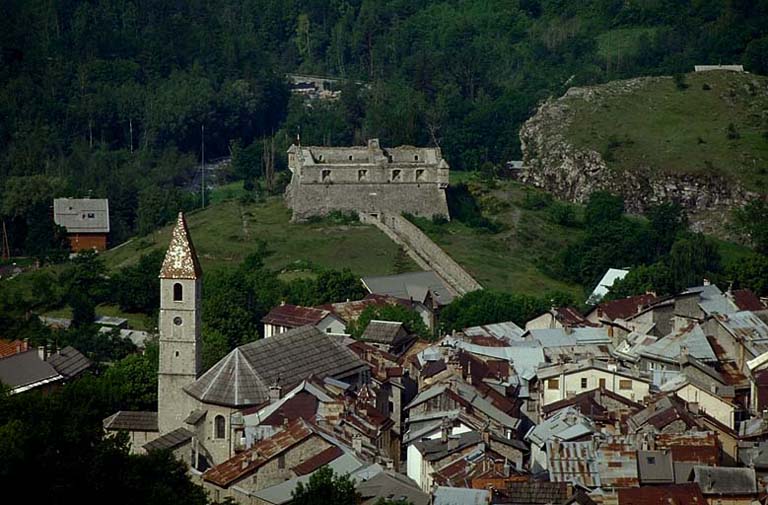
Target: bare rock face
{"x": 553, "y": 163}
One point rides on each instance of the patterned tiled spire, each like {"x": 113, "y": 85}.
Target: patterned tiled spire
{"x": 181, "y": 259}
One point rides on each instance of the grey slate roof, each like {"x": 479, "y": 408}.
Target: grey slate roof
{"x": 131, "y": 421}
{"x": 194, "y": 417}
{"x": 435, "y": 449}
{"x": 384, "y": 332}
{"x": 535, "y": 493}
{"x": 242, "y": 378}
{"x": 170, "y": 440}
{"x": 26, "y": 370}
{"x": 69, "y": 362}
{"x": 725, "y": 480}
{"x": 461, "y": 496}
{"x": 655, "y": 467}
{"x": 390, "y": 484}
{"x": 410, "y": 286}
{"x": 82, "y": 215}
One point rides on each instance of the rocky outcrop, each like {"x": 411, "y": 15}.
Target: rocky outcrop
{"x": 553, "y": 163}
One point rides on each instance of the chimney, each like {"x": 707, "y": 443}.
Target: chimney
{"x": 445, "y": 430}
{"x": 706, "y": 282}
{"x": 42, "y": 352}
{"x": 275, "y": 392}
{"x": 357, "y": 443}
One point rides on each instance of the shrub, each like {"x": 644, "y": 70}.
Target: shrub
{"x": 535, "y": 200}
{"x": 731, "y": 133}
{"x": 562, "y": 214}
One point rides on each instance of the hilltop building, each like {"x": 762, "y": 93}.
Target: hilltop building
{"x": 367, "y": 179}
{"x": 86, "y": 221}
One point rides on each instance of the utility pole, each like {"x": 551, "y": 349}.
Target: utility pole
{"x": 202, "y": 164}
{"x": 6, "y": 246}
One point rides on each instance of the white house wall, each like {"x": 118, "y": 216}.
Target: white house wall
{"x": 572, "y": 384}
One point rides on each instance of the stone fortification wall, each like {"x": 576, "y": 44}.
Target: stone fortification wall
{"x": 428, "y": 254}
{"x": 321, "y": 199}
{"x": 367, "y": 179}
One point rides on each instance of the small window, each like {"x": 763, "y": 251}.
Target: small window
{"x": 328, "y": 330}
{"x": 553, "y": 384}
{"x": 602, "y": 383}
{"x": 281, "y": 462}
{"x": 625, "y": 384}
{"x": 320, "y": 158}
{"x": 350, "y": 157}
{"x": 178, "y": 292}
{"x": 415, "y": 157}
{"x": 326, "y": 175}
{"x": 177, "y": 354}
{"x": 91, "y": 215}
{"x": 651, "y": 460}
{"x": 219, "y": 426}
{"x": 397, "y": 175}
{"x": 584, "y": 383}
{"x": 362, "y": 175}
{"x": 420, "y": 174}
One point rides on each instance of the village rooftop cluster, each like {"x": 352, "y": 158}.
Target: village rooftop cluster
{"x": 638, "y": 399}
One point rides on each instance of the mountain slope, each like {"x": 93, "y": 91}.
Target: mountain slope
{"x": 701, "y": 140}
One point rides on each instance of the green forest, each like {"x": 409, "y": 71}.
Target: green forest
{"x": 109, "y": 98}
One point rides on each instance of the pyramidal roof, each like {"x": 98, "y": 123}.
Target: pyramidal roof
{"x": 243, "y": 377}
{"x": 181, "y": 259}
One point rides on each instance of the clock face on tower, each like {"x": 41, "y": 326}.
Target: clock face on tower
{"x": 177, "y": 321}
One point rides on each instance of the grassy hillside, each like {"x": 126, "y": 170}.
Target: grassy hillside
{"x": 688, "y": 130}
{"x": 227, "y": 231}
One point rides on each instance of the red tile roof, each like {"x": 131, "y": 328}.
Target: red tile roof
{"x": 323, "y": 458}
{"x": 680, "y": 494}
{"x": 747, "y": 300}
{"x": 294, "y": 316}
{"x": 250, "y": 460}
{"x": 625, "y": 307}
{"x": 11, "y": 347}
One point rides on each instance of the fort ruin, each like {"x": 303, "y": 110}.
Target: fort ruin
{"x": 367, "y": 179}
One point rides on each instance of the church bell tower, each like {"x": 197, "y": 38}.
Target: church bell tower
{"x": 180, "y": 344}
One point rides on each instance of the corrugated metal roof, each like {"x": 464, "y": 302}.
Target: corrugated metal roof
{"x": 655, "y": 467}
{"x": 507, "y": 331}
{"x": 725, "y": 481}
{"x": 567, "y": 424}
{"x": 294, "y": 316}
{"x": 574, "y": 462}
{"x": 250, "y": 460}
{"x": 670, "y": 347}
{"x": 680, "y": 494}
{"x": 617, "y": 462}
{"x": 82, "y": 215}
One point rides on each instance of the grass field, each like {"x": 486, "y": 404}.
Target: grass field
{"x": 682, "y": 131}
{"x": 508, "y": 260}
{"x": 226, "y": 232}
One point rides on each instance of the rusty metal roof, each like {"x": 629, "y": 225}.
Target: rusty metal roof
{"x": 252, "y": 459}
{"x": 574, "y": 462}
{"x": 323, "y": 458}
{"x": 680, "y": 494}
{"x": 617, "y": 462}
{"x": 293, "y": 316}
{"x": 181, "y": 259}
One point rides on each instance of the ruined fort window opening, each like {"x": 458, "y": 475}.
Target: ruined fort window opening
{"x": 350, "y": 157}
{"x": 178, "y": 292}
{"x": 326, "y": 176}
{"x": 420, "y": 174}
{"x": 320, "y": 158}
{"x": 362, "y": 175}
{"x": 396, "y": 175}
{"x": 415, "y": 157}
